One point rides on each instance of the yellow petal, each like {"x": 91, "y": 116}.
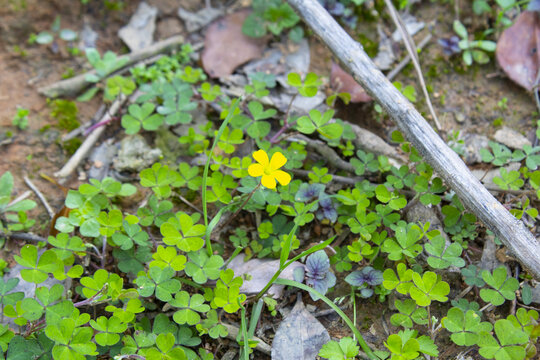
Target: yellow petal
{"x": 268, "y": 181}
{"x": 278, "y": 160}
{"x": 262, "y": 157}
{"x": 283, "y": 177}
{"x": 255, "y": 170}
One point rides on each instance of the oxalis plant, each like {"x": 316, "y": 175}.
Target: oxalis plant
{"x": 153, "y": 283}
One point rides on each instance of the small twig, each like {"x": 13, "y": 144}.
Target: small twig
{"x": 486, "y": 307}
{"x": 226, "y": 222}
{"x": 89, "y": 300}
{"x": 392, "y": 74}
{"x": 188, "y": 203}
{"x": 77, "y": 83}
{"x": 87, "y": 145}
{"x": 411, "y": 48}
{"x": 40, "y": 196}
{"x": 286, "y": 123}
{"x": 326, "y": 152}
{"x": 81, "y": 129}
{"x": 104, "y": 253}
{"x": 464, "y": 292}
{"x": 336, "y": 178}
{"x": 20, "y": 198}
{"x": 23, "y": 236}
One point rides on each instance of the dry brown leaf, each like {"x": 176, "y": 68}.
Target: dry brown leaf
{"x": 343, "y": 82}
{"x": 517, "y": 49}
{"x": 226, "y": 47}
{"x": 300, "y": 335}
{"x": 261, "y": 271}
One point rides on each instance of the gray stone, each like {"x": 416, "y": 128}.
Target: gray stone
{"x": 139, "y": 32}
{"x": 135, "y": 154}
{"x": 197, "y": 20}
{"x": 511, "y": 138}
{"x": 473, "y": 143}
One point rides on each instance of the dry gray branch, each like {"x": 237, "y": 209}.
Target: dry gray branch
{"x": 74, "y": 85}
{"x": 40, "y": 196}
{"x": 513, "y": 233}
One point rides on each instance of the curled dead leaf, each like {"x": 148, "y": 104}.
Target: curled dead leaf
{"x": 517, "y": 49}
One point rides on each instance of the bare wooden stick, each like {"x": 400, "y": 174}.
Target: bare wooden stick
{"x": 512, "y": 232}
{"x": 90, "y": 140}
{"x": 40, "y": 196}
{"x": 411, "y": 49}
{"x": 20, "y": 198}
{"x": 74, "y": 85}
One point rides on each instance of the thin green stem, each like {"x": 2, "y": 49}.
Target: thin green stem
{"x": 283, "y": 267}
{"x": 354, "y": 307}
{"x": 336, "y": 308}
{"x": 244, "y": 332}
{"x": 229, "y": 116}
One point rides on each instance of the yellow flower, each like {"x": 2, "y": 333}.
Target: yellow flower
{"x": 269, "y": 170}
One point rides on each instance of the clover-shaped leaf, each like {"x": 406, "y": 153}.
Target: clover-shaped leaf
{"x": 320, "y": 123}
{"x": 409, "y": 312}
{"x": 108, "y": 328}
{"x": 165, "y": 349}
{"x": 472, "y": 276}
{"x": 465, "y": 327}
{"x": 141, "y": 116}
{"x": 189, "y": 306}
{"x": 308, "y": 87}
{"x": 345, "y": 349}
{"x": 65, "y": 246}
{"x": 428, "y": 287}
{"x": 509, "y": 343}
{"x": 442, "y": 256}
{"x": 403, "y": 345}
{"x": 168, "y": 257}
{"x": 132, "y": 261}
{"x": 405, "y": 243}
{"x": 132, "y": 234}
{"x": 527, "y": 321}
{"x": 39, "y": 269}
{"x": 503, "y": 287}
{"x": 160, "y": 280}
{"x": 176, "y": 105}
{"x": 7, "y": 298}
{"x": 201, "y": 267}
{"x": 97, "y": 283}
{"x": 402, "y": 282}
{"x": 181, "y": 232}
{"x": 212, "y": 326}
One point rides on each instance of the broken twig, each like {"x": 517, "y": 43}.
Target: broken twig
{"x": 74, "y": 85}
{"x": 40, "y": 196}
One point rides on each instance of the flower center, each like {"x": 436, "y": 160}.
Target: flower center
{"x": 267, "y": 170}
